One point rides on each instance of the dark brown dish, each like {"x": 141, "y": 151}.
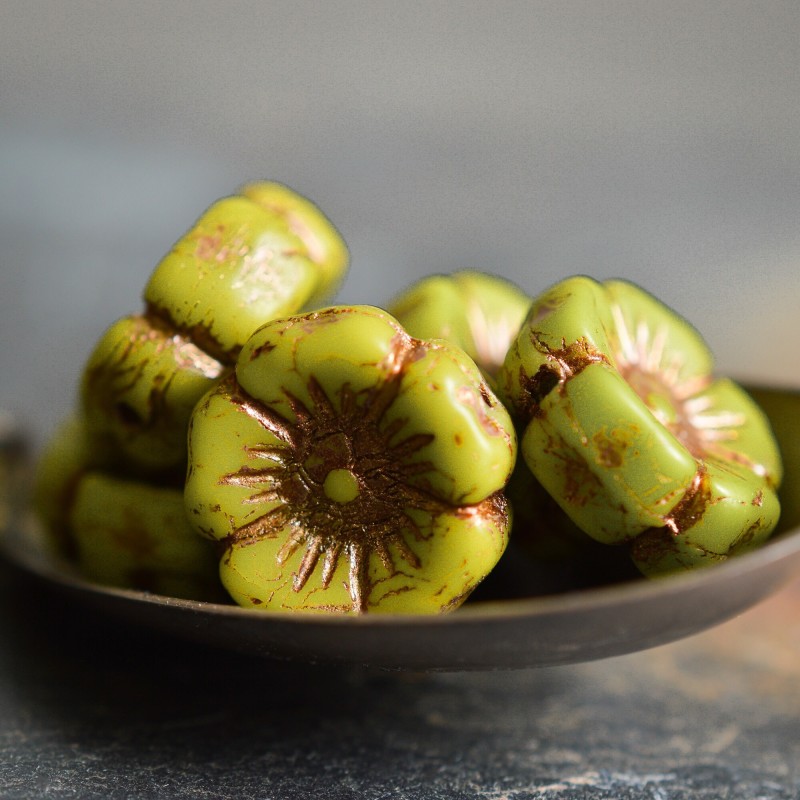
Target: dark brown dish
{"x": 526, "y": 629}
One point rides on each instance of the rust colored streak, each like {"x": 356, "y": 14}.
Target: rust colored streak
{"x": 581, "y": 484}
{"x": 207, "y": 247}
{"x": 264, "y": 349}
{"x": 689, "y": 511}
{"x": 403, "y": 351}
{"x": 266, "y": 526}
{"x": 652, "y": 545}
{"x": 535, "y": 389}
{"x": 610, "y": 451}
{"x": 561, "y": 364}
{"x": 493, "y": 509}
{"x": 571, "y": 359}
{"x": 270, "y": 420}
{"x": 199, "y": 335}
{"x": 467, "y": 397}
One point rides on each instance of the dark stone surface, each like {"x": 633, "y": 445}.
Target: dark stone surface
{"x": 88, "y": 710}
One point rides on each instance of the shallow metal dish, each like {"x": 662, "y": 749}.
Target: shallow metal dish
{"x": 558, "y": 628}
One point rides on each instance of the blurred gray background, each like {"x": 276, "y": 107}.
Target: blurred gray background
{"x": 657, "y": 141}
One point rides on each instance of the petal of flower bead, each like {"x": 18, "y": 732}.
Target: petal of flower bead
{"x": 356, "y": 347}
{"x": 133, "y": 535}
{"x": 610, "y": 465}
{"x": 237, "y": 267}
{"x": 729, "y": 513}
{"x": 139, "y": 387}
{"x": 477, "y": 312}
{"x": 737, "y": 431}
{"x": 565, "y": 330}
{"x": 324, "y": 245}
{"x": 220, "y": 435}
{"x": 473, "y": 447}
{"x": 653, "y": 337}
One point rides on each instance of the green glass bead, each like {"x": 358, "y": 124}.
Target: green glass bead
{"x": 139, "y": 387}
{"x": 324, "y": 245}
{"x": 477, "y": 312}
{"x": 626, "y": 427}
{"x": 726, "y": 512}
{"x": 68, "y": 454}
{"x": 241, "y": 265}
{"x": 132, "y": 535}
{"x": 615, "y": 468}
{"x": 736, "y": 431}
{"x": 782, "y": 408}
{"x": 349, "y": 467}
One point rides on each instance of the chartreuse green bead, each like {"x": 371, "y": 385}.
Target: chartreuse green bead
{"x": 240, "y": 265}
{"x": 118, "y": 531}
{"x": 349, "y": 467}
{"x": 138, "y": 390}
{"x": 444, "y": 394}
{"x": 782, "y": 408}
{"x": 738, "y": 431}
{"x": 615, "y": 468}
{"x": 133, "y": 535}
{"x": 626, "y": 428}
{"x": 324, "y": 245}
{"x": 477, "y": 312}
{"x": 729, "y": 512}
{"x": 68, "y": 454}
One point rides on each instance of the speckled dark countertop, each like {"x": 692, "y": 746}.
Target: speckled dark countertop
{"x": 89, "y": 710}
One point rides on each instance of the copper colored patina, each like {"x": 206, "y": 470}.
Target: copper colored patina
{"x": 392, "y": 503}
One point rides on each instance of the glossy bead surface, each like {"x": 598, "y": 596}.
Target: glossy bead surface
{"x": 68, "y": 454}
{"x": 324, "y": 245}
{"x": 242, "y": 264}
{"x": 138, "y": 390}
{"x": 133, "y": 535}
{"x": 349, "y": 467}
{"x": 477, "y": 312}
{"x": 626, "y": 427}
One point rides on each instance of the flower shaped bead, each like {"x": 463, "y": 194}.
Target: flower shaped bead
{"x": 138, "y": 390}
{"x": 627, "y": 429}
{"x": 134, "y": 535}
{"x": 118, "y": 531}
{"x": 250, "y": 258}
{"x": 479, "y": 313}
{"x": 67, "y": 455}
{"x": 349, "y": 467}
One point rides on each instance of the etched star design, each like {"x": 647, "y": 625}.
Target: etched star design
{"x": 342, "y": 478}
{"x": 689, "y": 412}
